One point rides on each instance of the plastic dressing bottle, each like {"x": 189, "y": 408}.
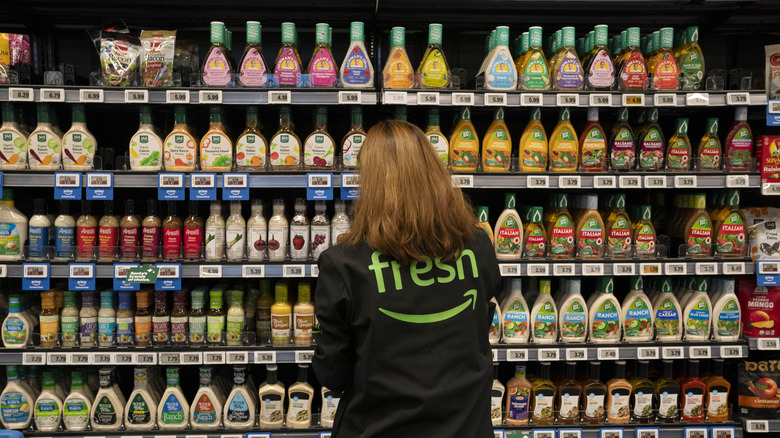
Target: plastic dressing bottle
{"x": 573, "y": 317}
{"x": 141, "y": 410}
{"x": 516, "y": 314}
{"x": 544, "y": 316}
{"x": 239, "y": 409}
{"x": 17, "y": 401}
{"x": 508, "y": 233}
{"x": 271, "y": 395}
{"x": 638, "y": 315}
{"x": 173, "y": 412}
{"x": 299, "y": 401}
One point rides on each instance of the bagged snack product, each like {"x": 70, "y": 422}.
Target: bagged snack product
{"x": 772, "y": 71}
{"x": 119, "y": 54}
{"x": 764, "y": 231}
{"x": 159, "y": 48}
{"x": 758, "y": 395}
{"x": 760, "y": 308}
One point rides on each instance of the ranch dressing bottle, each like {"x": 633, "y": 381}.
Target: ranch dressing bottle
{"x": 48, "y": 407}
{"x": 206, "y": 412}
{"x": 16, "y": 400}
{"x": 501, "y": 73}
{"x": 16, "y": 327}
{"x": 239, "y": 409}
{"x": 75, "y": 411}
{"x": 516, "y": 315}
{"x": 668, "y": 314}
{"x": 573, "y": 319}
{"x": 605, "y": 320}
{"x": 173, "y": 410}
{"x": 544, "y": 317}
{"x": 141, "y": 409}
{"x": 356, "y": 70}
{"x": 638, "y": 315}
{"x": 13, "y": 141}
{"x": 107, "y": 409}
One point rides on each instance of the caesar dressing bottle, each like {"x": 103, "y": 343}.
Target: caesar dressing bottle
{"x": 299, "y": 399}
{"x": 532, "y": 67}
{"x": 515, "y": 315}
{"x": 106, "y": 413}
{"x": 239, "y": 409}
{"x": 668, "y": 314}
{"x": 573, "y": 318}
{"x": 141, "y": 410}
{"x": 356, "y": 70}
{"x": 544, "y": 316}
{"x": 173, "y": 412}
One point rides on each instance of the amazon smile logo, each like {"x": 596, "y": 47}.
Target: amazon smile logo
{"x": 428, "y": 318}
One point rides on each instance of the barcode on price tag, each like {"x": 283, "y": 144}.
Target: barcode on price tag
{"x": 610, "y": 433}
{"x": 428, "y": 98}
{"x": 52, "y": 95}
{"x": 21, "y": 94}
{"x": 540, "y": 269}
{"x": 623, "y": 269}
{"x": 737, "y": 181}
{"x": 509, "y": 269}
{"x": 757, "y": 426}
{"x": 608, "y": 353}
{"x": 253, "y": 271}
{"x": 685, "y": 181}
{"x": 570, "y": 182}
{"x": 530, "y": 99}
{"x": 91, "y": 96}
{"x": 576, "y": 354}
{"x": 169, "y": 358}
{"x": 563, "y": 269}
{"x": 737, "y": 98}
{"x": 304, "y": 356}
{"x": 463, "y": 180}
{"x": 676, "y": 269}
{"x": 462, "y": 99}
{"x": 192, "y": 358}
{"x": 710, "y": 268}
{"x": 395, "y": 97}
{"x": 210, "y": 358}
{"x": 294, "y": 271}
{"x": 596, "y": 269}
{"x": 699, "y": 352}
{"x": 655, "y": 182}
{"x": 722, "y": 432}
{"x": 569, "y": 433}
{"x": 633, "y": 100}
{"x": 495, "y": 99}
{"x": 665, "y": 99}
{"x": 265, "y": 357}
{"x": 33, "y": 358}
{"x": 177, "y": 96}
{"x": 349, "y": 97}
{"x": 647, "y": 432}
{"x": 647, "y": 352}
{"x": 210, "y": 271}
{"x": 673, "y": 352}
{"x": 630, "y": 182}
{"x": 538, "y": 181}
{"x": 517, "y": 355}
{"x": 733, "y": 268}
{"x": 768, "y": 343}
{"x": 697, "y": 99}
{"x": 237, "y": 357}
{"x": 650, "y": 269}
{"x": 548, "y": 354}
{"x": 600, "y": 100}
{"x": 279, "y": 97}
{"x": 729, "y": 351}
{"x": 136, "y": 96}
{"x": 695, "y": 432}
{"x": 604, "y": 182}
{"x": 568, "y": 100}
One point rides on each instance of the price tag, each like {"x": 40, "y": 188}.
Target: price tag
{"x": 737, "y": 181}
{"x": 710, "y": 268}
{"x": 462, "y": 99}
{"x": 737, "y": 98}
{"x": 600, "y": 100}
{"x": 695, "y": 432}
{"x": 293, "y": 271}
{"x": 547, "y": 354}
{"x": 101, "y": 358}
{"x": 699, "y": 352}
{"x": 79, "y": 358}
{"x": 211, "y": 358}
{"x": 349, "y": 97}
{"x": 676, "y": 269}
{"x": 320, "y": 187}
{"x": 697, "y": 99}
{"x": 655, "y": 182}
{"x": 237, "y": 357}
{"x": 633, "y": 100}
{"x": 3, "y": 271}
{"x": 120, "y": 275}
{"x": 495, "y": 99}
{"x": 256, "y": 435}
{"x": 604, "y": 182}
{"x": 169, "y": 358}
{"x": 768, "y": 268}
{"x": 253, "y": 271}
{"x": 576, "y": 354}
{"x": 168, "y": 276}
{"x": 100, "y": 186}
{"x": 56, "y": 359}
{"x": 235, "y": 187}
{"x": 136, "y": 96}
{"x": 91, "y": 96}
{"x": 395, "y": 97}
{"x": 203, "y": 186}
{"x": 531, "y": 99}
{"x": 278, "y": 97}
{"x": 145, "y": 358}
{"x": 685, "y": 181}
{"x": 497, "y": 433}
{"x": 35, "y": 276}
{"x": 265, "y": 357}
{"x": 81, "y": 276}
{"x": 170, "y": 187}
{"x": 723, "y": 432}
{"x": 538, "y": 181}
{"x": 665, "y": 99}
{"x": 733, "y": 268}
{"x": 563, "y": 269}
{"x": 647, "y": 352}
{"x": 67, "y": 185}
{"x": 544, "y": 433}
{"x": 215, "y": 97}
{"x": 611, "y": 433}
{"x": 673, "y": 352}
{"x": 495, "y": 355}
{"x": 463, "y": 180}
{"x": 430, "y": 98}
{"x": 177, "y": 96}
{"x": 596, "y": 269}
{"x": 567, "y": 99}
{"x": 730, "y": 351}
{"x": 516, "y": 355}
{"x": 21, "y": 94}
{"x": 122, "y": 358}
{"x": 304, "y": 356}
{"x": 537, "y": 269}
{"x": 650, "y": 269}
{"x": 33, "y": 358}
{"x": 608, "y": 353}
{"x": 210, "y": 271}
{"x": 314, "y": 271}
{"x": 52, "y": 95}
{"x": 623, "y": 269}
{"x": 350, "y": 186}
{"x": 768, "y": 343}
{"x": 570, "y": 181}
{"x": 774, "y": 107}
{"x": 509, "y": 269}
{"x": 191, "y": 358}
{"x": 647, "y": 432}
{"x": 630, "y": 182}
{"x": 757, "y": 426}
{"x": 569, "y": 433}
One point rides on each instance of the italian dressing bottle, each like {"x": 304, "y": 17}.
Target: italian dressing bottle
{"x": 271, "y": 396}
{"x": 668, "y": 314}
{"x": 206, "y": 412}
{"x": 108, "y": 407}
{"x": 322, "y": 67}
{"x": 398, "y": 71}
{"x": 618, "y": 230}
{"x": 698, "y": 313}
{"x": 497, "y": 145}
{"x": 251, "y": 146}
{"x": 638, "y": 315}
{"x": 356, "y": 70}
{"x": 560, "y": 230}
{"x": 501, "y": 73}
{"x": 253, "y": 69}
{"x": 544, "y": 316}
{"x": 141, "y": 410}
{"x": 435, "y": 136}
{"x": 729, "y": 231}
{"x": 709, "y": 151}
{"x": 590, "y": 231}
{"x": 299, "y": 399}
{"x": 173, "y": 412}
{"x": 678, "y": 151}
{"x": 48, "y": 406}
{"x": 434, "y": 72}
{"x": 533, "y": 145}
{"x": 726, "y": 313}
{"x": 515, "y": 314}
{"x": 75, "y": 410}
{"x": 239, "y": 409}
{"x": 285, "y": 146}
{"x": 534, "y": 235}
{"x": 573, "y": 318}
{"x": 17, "y": 401}
{"x": 509, "y": 231}
{"x": 605, "y": 320}
{"x": 464, "y": 144}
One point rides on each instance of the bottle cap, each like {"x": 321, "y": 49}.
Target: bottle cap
{"x": 567, "y": 36}
{"x": 510, "y": 200}
{"x": 524, "y": 42}
{"x": 356, "y": 31}
{"x": 535, "y": 36}
{"x": 398, "y": 37}
{"x": 601, "y": 35}
{"x": 681, "y": 126}
{"x": 288, "y": 32}
{"x": 693, "y": 34}
{"x": 321, "y": 33}
{"x": 435, "y": 31}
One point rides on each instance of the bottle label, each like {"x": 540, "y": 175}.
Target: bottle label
{"x": 495, "y": 326}
{"x": 590, "y": 239}
{"x": 602, "y": 72}
{"x": 667, "y": 318}
{"x": 85, "y": 241}
{"x": 14, "y": 148}
{"x": 330, "y": 402}
{"x": 171, "y": 243}
{"x": 203, "y": 411}
{"x": 318, "y": 151}
{"x": 106, "y": 328}
{"x": 644, "y": 240}
{"x": 619, "y": 402}
{"x": 257, "y": 241}
{"x": 501, "y": 73}
{"x": 509, "y": 238}
{"x": 104, "y": 412}
{"x": 643, "y": 404}
{"x": 698, "y": 321}
{"x": 139, "y": 412}
{"x": 299, "y": 245}
{"x": 667, "y": 404}
{"x": 518, "y": 403}
{"x": 285, "y": 150}
{"x": 619, "y": 237}
{"x": 465, "y": 149}
{"x": 709, "y": 154}
{"x": 197, "y": 329}
{"x": 398, "y": 70}
{"x": 435, "y": 72}
{"x": 692, "y": 70}
{"x": 38, "y": 240}
{"x": 143, "y": 329}
{"x": 271, "y": 408}
{"x": 700, "y": 236}
{"x": 562, "y": 237}
{"x": 298, "y": 409}
{"x": 678, "y": 155}
{"x": 337, "y": 231}
{"x": 14, "y": 407}
{"x": 145, "y": 151}
{"x": 535, "y": 150}
{"x": 161, "y": 326}
{"x": 251, "y": 151}
{"x": 215, "y": 242}
{"x": 70, "y": 328}
{"x": 193, "y": 238}
{"x": 634, "y": 73}
{"x": 322, "y": 69}
{"x": 516, "y": 320}
{"x": 594, "y": 404}
{"x": 693, "y": 403}
{"x": 252, "y": 71}
{"x": 718, "y": 401}
{"x": 49, "y": 327}
{"x": 320, "y": 239}
{"x": 14, "y": 332}
{"x": 172, "y": 411}
{"x": 216, "y": 70}
{"x": 534, "y": 241}
{"x": 545, "y": 322}
{"x": 107, "y": 241}
{"x": 623, "y": 155}
{"x": 88, "y": 326}
{"x": 536, "y": 75}
{"x": 666, "y": 74}
{"x": 180, "y": 150}
{"x": 731, "y": 235}
{"x": 214, "y": 327}
{"x": 216, "y": 150}
{"x": 277, "y": 242}
{"x": 304, "y": 322}
{"x": 356, "y": 69}
{"x": 287, "y": 71}
{"x": 235, "y": 235}
{"x": 651, "y": 150}
{"x": 739, "y": 151}
{"x": 63, "y": 241}
{"x": 44, "y": 149}
{"x": 234, "y": 327}
{"x": 129, "y": 241}
{"x": 47, "y": 413}
{"x": 125, "y": 329}
{"x": 75, "y": 414}
{"x": 606, "y": 321}
{"x": 179, "y": 329}
{"x": 498, "y": 150}
{"x": 280, "y": 328}
{"x": 639, "y": 319}
{"x": 263, "y": 320}
{"x": 570, "y": 404}
{"x": 728, "y": 319}
{"x": 238, "y": 410}
{"x": 150, "y": 241}
{"x": 569, "y": 74}
{"x": 594, "y": 149}
{"x": 352, "y": 144}
{"x": 574, "y": 321}
{"x": 543, "y": 404}
{"x": 564, "y": 151}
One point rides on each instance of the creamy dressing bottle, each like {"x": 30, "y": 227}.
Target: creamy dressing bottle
{"x": 340, "y": 223}
{"x": 106, "y": 319}
{"x": 605, "y": 319}
{"x": 509, "y": 231}
{"x": 173, "y": 411}
{"x": 216, "y": 148}
{"x": 75, "y": 409}
{"x": 235, "y": 233}
{"x": 515, "y": 315}
{"x": 668, "y": 314}
{"x": 239, "y": 409}
{"x": 16, "y": 400}
{"x": 257, "y": 232}
{"x": 544, "y": 318}
{"x": 638, "y": 315}
{"x": 271, "y": 396}
{"x": 141, "y": 409}
{"x": 299, "y": 232}
{"x": 277, "y": 232}
{"x": 697, "y": 317}
{"x": 44, "y": 145}
{"x": 494, "y": 335}
{"x": 14, "y": 228}
{"x": 146, "y": 147}
{"x": 234, "y": 325}
{"x": 299, "y": 399}
{"x": 13, "y": 141}
{"x": 181, "y": 148}
{"x": 64, "y": 233}
{"x": 16, "y": 327}
{"x": 106, "y": 413}
{"x": 726, "y": 313}
{"x": 356, "y": 70}
{"x": 48, "y": 406}
{"x": 206, "y": 412}
{"x": 38, "y": 231}
{"x": 78, "y": 144}
{"x": 496, "y": 399}
{"x": 573, "y": 318}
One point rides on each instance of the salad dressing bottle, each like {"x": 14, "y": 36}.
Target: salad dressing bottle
{"x": 605, "y": 319}
{"x": 739, "y": 143}
{"x": 618, "y": 396}
{"x": 678, "y": 151}
{"x": 569, "y": 392}
{"x": 303, "y": 316}
{"x": 717, "y": 397}
{"x": 566, "y": 67}
{"x": 729, "y": 230}
{"x": 173, "y": 412}
{"x": 697, "y": 229}
{"x": 501, "y": 73}
{"x": 38, "y": 232}
{"x": 668, "y": 314}
{"x": 48, "y": 407}
{"x": 622, "y": 143}
{"x": 235, "y": 233}
{"x": 151, "y": 233}
{"x": 141, "y": 410}
{"x": 271, "y": 396}
{"x": 299, "y": 401}
{"x": 632, "y": 68}
{"x": 533, "y": 69}
{"x": 216, "y": 149}
{"x": 353, "y": 141}
{"x": 108, "y": 233}
{"x": 78, "y": 144}
{"x": 300, "y": 232}
{"x": 172, "y": 234}
{"x": 129, "y": 233}
{"x": 239, "y": 409}
{"x": 434, "y": 72}
{"x": 589, "y": 230}
{"x": 497, "y": 145}
{"x": 593, "y": 394}
{"x": 496, "y": 399}
{"x": 494, "y": 333}
{"x": 693, "y": 389}
{"x": 398, "y": 71}
{"x": 206, "y": 412}
{"x": 17, "y": 400}
{"x": 356, "y": 70}
{"x": 518, "y": 390}
{"x": 464, "y": 144}
{"x": 13, "y": 140}
{"x": 234, "y": 325}
{"x": 218, "y": 65}
{"x": 287, "y": 68}
{"x": 281, "y": 317}
{"x": 642, "y": 394}
{"x": 544, "y": 316}
{"x": 726, "y": 313}
{"x": 64, "y": 233}
{"x": 593, "y": 144}
{"x": 664, "y": 71}
{"x": 435, "y": 136}
{"x": 599, "y": 69}
{"x": 667, "y": 393}
{"x": 278, "y": 232}
{"x": 644, "y": 234}
{"x": 508, "y": 233}
{"x": 215, "y": 318}
{"x": 257, "y": 232}
{"x": 106, "y": 413}
{"x": 534, "y": 235}
{"x": 197, "y": 322}
{"x": 44, "y": 144}
{"x": 618, "y": 228}
{"x": 651, "y": 143}
{"x": 322, "y": 67}
{"x": 691, "y": 61}
{"x": 638, "y": 315}
{"x": 180, "y": 148}
{"x": 146, "y": 147}
{"x": 215, "y": 233}
{"x": 76, "y": 406}
{"x": 573, "y": 318}
{"x": 515, "y": 315}
{"x": 193, "y": 233}
{"x": 161, "y": 320}
{"x": 285, "y": 146}
{"x": 179, "y": 319}
{"x": 253, "y": 68}
{"x": 320, "y": 230}
{"x": 697, "y": 317}
{"x": 543, "y": 397}
{"x": 564, "y": 147}
{"x": 251, "y": 146}
{"x": 560, "y": 230}
{"x": 319, "y": 147}
{"x": 533, "y": 145}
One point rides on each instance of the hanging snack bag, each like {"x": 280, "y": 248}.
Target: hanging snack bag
{"x": 119, "y": 57}
{"x": 772, "y": 71}
{"x": 159, "y": 49}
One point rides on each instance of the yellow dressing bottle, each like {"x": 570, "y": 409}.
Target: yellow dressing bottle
{"x": 534, "y": 70}
{"x": 464, "y": 144}
{"x": 533, "y": 145}
{"x": 179, "y": 149}
{"x": 497, "y": 145}
{"x": 251, "y": 147}
{"x": 216, "y": 149}
{"x": 564, "y": 146}
{"x": 434, "y": 71}
{"x": 435, "y": 136}
{"x": 398, "y": 71}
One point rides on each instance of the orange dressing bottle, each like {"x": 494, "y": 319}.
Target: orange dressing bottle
{"x": 398, "y": 71}
{"x": 564, "y": 147}
{"x": 464, "y": 144}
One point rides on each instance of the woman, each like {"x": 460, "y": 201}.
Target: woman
{"x": 403, "y": 301}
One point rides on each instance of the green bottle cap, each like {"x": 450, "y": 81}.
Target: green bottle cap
{"x": 9, "y": 115}
{"x": 400, "y": 113}
{"x": 701, "y": 284}
{"x": 693, "y": 34}
{"x": 498, "y": 113}
{"x": 280, "y": 292}
{"x": 398, "y": 37}
{"x": 145, "y": 115}
{"x": 563, "y": 200}
{"x": 609, "y": 285}
{"x": 623, "y": 114}
{"x": 253, "y": 32}
{"x": 43, "y": 111}
{"x": 79, "y": 115}
{"x": 288, "y": 32}
{"x": 502, "y": 36}
{"x": 536, "y": 214}
{"x": 321, "y": 33}
{"x": 216, "y": 32}
{"x": 647, "y": 212}
{"x": 558, "y": 41}
{"x": 536, "y": 114}
{"x": 712, "y": 126}
{"x": 568, "y": 36}
{"x": 623, "y": 40}
{"x": 601, "y": 34}
{"x": 357, "y": 115}
{"x": 510, "y": 200}
{"x": 620, "y": 200}
{"x": 643, "y": 45}
{"x": 580, "y": 46}
{"x": 321, "y": 115}
{"x": 732, "y": 198}
{"x": 637, "y": 283}
{"x": 215, "y": 299}
{"x": 524, "y": 42}
{"x": 482, "y": 214}
{"x": 652, "y": 114}
{"x": 667, "y": 37}
{"x": 304, "y": 292}
{"x": 700, "y": 201}
{"x": 544, "y": 287}
{"x": 564, "y": 114}
{"x": 435, "y": 31}
{"x": 465, "y": 113}
{"x": 433, "y": 116}
{"x": 172, "y": 376}
{"x": 492, "y": 40}
{"x": 633, "y": 37}
{"x": 590, "y": 41}
{"x": 535, "y": 36}
{"x": 356, "y": 32}
{"x": 681, "y": 126}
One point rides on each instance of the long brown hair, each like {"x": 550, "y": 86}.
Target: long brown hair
{"x": 409, "y": 208}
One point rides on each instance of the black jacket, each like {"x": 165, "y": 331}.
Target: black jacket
{"x": 407, "y": 347}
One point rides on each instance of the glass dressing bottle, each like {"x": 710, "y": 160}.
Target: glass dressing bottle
{"x": 285, "y": 146}
{"x": 543, "y": 397}
{"x": 663, "y": 68}
{"x": 433, "y": 71}
{"x": 218, "y": 65}
{"x": 146, "y": 147}
{"x": 287, "y": 68}
{"x": 257, "y": 232}
{"x": 319, "y": 147}
{"x": 251, "y": 145}
{"x": 567, "y": 70}
{"x": 356, "y": 70}
{"x": 435, "y": 136}
{"x": 618, "y": 396}
{"x": 322, "y": 67}
{"x": 353, "y": 141}
{"x": 568, "y": 396}
{"x": 252, "y": 69}
{"x": 299, "y": 232}
{"x": 691, "y": 61}
{"x": 398, "y": 71}
{"x": 599, "y": 69}
{"x": 532, "y": 67}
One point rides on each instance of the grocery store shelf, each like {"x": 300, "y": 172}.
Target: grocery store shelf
{"x": 188, "y": 269}
{"x": 563, "y": 268}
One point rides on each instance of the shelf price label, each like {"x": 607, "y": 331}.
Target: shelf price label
{"x": 610, "y": 433}
{"x": 673, "y": 352}
{"x": 633, "y": 100}
{"x": 757, "y": 426}
{"x": 604, "y": 182}
{"x": 737, "y": 181}
{"x": 697, "y": 99}
{"x": 101, "y": 358}
{"x": 495, "y": 99}
{"x": 136, "y": 96}
{"x": 733, "y": 268}
{"x": 91, "y": 96}
{"x": 191, "y": 358}
{"x": 350, "y": 186}
{"x": 395, "y": 97}
{"x": 630, "y": 182}
{"x": 608, "y": 353}
{"x": 35, "y": 276}
{"x": 563, "y": 269}
{"x": 723, "y": 432}
{"x": 655, "y": 181}
{"x": 710, "y": 268}
{"x": 595, "y": 269}
{"x": 265, "y": 357}
{"x": 122, "y": 358}
{"x": 768, "y": 343}
{"x": 253, "y": 271}
{"x": 737, "y": 98}
{"x": 695, "y": 432}
{"x": 170, "y": 186}
{"x": 145, "y": 358}
{"x": 235, "y": 187}
{"x": 573, "y": 354}
{"x": 537, "y": 269}
{"x": 52, "y": 95}
{"x": 21, "y": 94}
{"x": 699, "y": 352}
{"x": 497, "y": 433}
{"x": 33, "y": 358}
{"x": 79, "y": 358}
{"x": 279, "y": 97}
{"x": 650, "y": 269}
{"x": 730, "y": 351}
{"x": 210, "y": 271}
{"x": 567, "y": 99}
{"x": 81, "y": 276}
{"x": 531, "y": 99}
{"x": 647, "y": 432}
{"x": 168, "y": 276}
{"x": 463, "y": 180}
{"x": 294, "y": 271}
{"x": 600, "y": 100}
{"x": 544, "y": 433}
{"x": 462, "y": 99}
{"x": 250, "y": 435}
{"x": 509, "y": 269}
{"x": 685, "y": 181}
{"x": 210, "y": 358}
{"x": 349, "y": 97}
{"x": 538, "y": 181}
{"x": 428, "y": 98}
{"x": 569, "y": 181}
{"x": 665, "y": 99}
{"x": 569, "y": 433}
{"x": 203, "y": 186}
{"x": 100, "y": 186}
{"x": 304, "y": 356}
{"x": 120, "y": 275}
{"x": 548, "y": 354}
{"x": 177, "y": 96}
{"x": 237, "y": 357}
{"x": 517, "y": 355}
{"x": 67, "y": 185}
{"x": 647, "y": 353}
{"x": 319, "y": 186}
{"x": 169, "y": 358}
{"x": 676, "y": 268}
{"x": 57, "y": 358}
{"x": 623, "y": 269}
